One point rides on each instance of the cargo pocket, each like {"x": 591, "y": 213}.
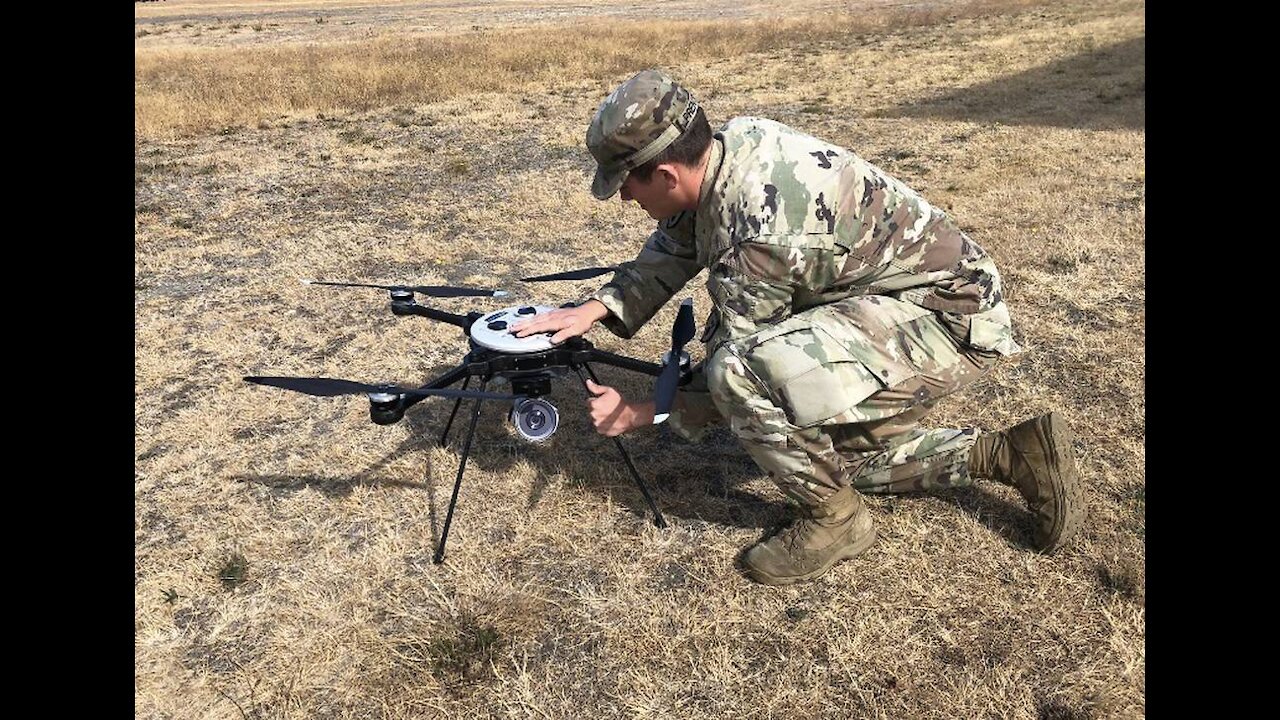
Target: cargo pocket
{"x": 991, "y": 330}
{"x": 811, "y": 375}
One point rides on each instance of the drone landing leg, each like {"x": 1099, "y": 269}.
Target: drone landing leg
{"x": 444, "y": 437}
{"x": 457, "y": 483}
{"x": 657, "y": 515}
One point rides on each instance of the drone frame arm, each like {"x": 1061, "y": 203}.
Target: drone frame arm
{"x": 412, "y": 308}
{"x": 570, "y": 354}
{"x": 607, "y": 358}
{"x": 443, "y": 381}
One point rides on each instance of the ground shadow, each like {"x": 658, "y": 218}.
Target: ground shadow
{"x": 1097, "y": 90}
{"x": 694, "y": 482}
{"x": 1009, "y": 520}
{"x": 698, "y": 483}
{"x": 334, "y": 487}
{"x": 338, "y": 487}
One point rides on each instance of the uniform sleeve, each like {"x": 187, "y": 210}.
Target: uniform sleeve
{"x": 667, "y": 261}
{"x": 756, "y": 284}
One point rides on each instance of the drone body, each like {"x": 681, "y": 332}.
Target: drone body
{"x": 529, "y": 364}
{"x": 493, "y": 331}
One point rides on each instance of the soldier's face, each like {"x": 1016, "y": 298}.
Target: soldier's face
{"x": 655, "y": 195}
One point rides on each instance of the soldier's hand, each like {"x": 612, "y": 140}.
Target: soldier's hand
{"x": 565, "y": 322}
{"x": 612, "y": 415}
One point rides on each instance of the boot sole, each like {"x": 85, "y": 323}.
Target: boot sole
{"x": 1068, "y": 491}
{"x": 857, "y": 548}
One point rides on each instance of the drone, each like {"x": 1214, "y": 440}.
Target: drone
{"x": 528, "y": 363}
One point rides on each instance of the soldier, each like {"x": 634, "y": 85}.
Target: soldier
{"x": 845, "y": 307}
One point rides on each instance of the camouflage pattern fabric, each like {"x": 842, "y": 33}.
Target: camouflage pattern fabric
{"x": 844, "y": 305}
{"x": 637, "y": 121}
{"x": 833, "y": 396}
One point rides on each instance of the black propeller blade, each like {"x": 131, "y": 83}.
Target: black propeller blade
{"x": 439, "y": 291}
{"x": 664, "y": 393}
{"x": 329, "y": 387}
{"x": 582, "y": 274}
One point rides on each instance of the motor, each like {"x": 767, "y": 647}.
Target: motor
{"x": 386, "y": 408}
{"x": 685, "y": 364}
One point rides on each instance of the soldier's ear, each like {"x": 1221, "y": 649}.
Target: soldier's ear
{"x": 670, "y": 175}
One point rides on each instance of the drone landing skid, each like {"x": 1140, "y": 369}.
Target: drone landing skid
{"x": 526, "y": 370}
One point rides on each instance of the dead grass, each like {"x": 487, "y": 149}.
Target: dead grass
{"x": 283, "y": 543}
{"x": 184, "y": 91}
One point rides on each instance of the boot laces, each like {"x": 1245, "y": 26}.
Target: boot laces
{"x": 791, "y": 536}
{"x": 991, "y": 459}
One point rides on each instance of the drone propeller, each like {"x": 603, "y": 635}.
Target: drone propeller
{"x": 682, "y": 332}
{"x": 439, "y": 291}
{"x": 329, "y": 387}
{"x": 581, "y": 274}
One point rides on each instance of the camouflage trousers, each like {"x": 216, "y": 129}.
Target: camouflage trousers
{"x": 834, "y": 395}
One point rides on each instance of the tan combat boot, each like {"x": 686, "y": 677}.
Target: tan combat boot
{"x": 1036, "y": 457}
{"x": 836, "y": 530}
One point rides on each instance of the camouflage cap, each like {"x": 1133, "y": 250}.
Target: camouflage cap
{"x": 637, "y": 121}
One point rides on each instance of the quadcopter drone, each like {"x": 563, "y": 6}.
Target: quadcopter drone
{"x": 528, "y": 363}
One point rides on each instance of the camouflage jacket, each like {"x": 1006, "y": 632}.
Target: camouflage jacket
{"x": 786, "y": 222}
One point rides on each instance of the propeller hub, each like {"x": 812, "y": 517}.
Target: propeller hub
{"x": 685, "y": 360}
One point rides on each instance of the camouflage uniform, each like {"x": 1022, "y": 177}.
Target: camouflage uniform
{"x": 844, "y": 307}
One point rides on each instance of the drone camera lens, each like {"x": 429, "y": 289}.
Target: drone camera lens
{"x": 535, "y": 419}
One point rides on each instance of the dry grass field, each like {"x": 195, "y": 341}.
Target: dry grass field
{"x": 283, "y": 543}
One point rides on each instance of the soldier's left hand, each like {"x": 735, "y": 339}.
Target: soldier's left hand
{"x": 565, "y": 322}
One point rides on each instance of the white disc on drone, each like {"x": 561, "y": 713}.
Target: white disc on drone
{"x": 493, "y": 331}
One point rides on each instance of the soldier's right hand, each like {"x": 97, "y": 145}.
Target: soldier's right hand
{"x": 612, "y": 415}
{"x": 565, "y": 322}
